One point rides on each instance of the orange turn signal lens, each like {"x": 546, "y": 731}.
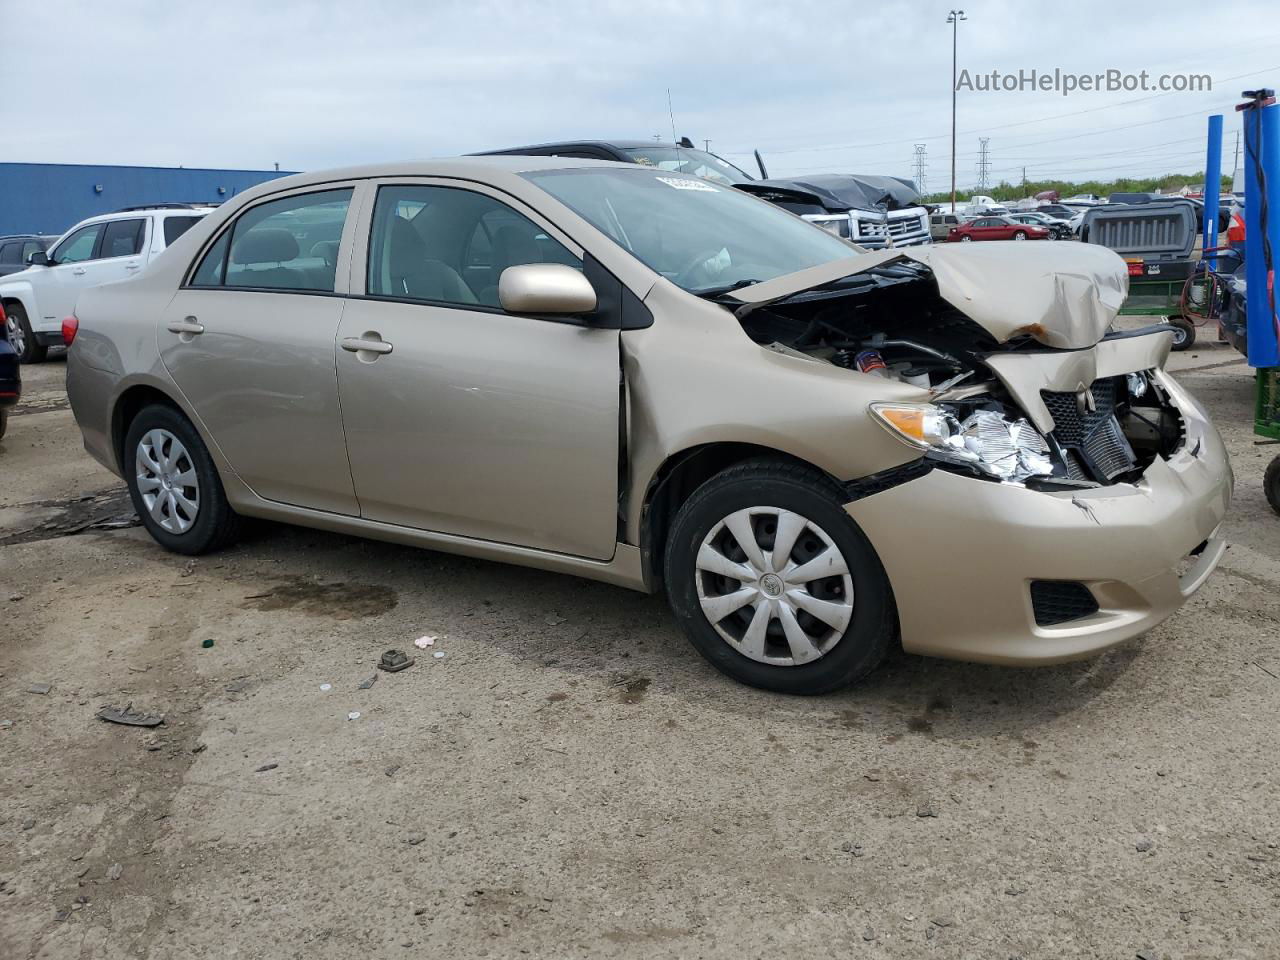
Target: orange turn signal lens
{"x": 919, "y": 424}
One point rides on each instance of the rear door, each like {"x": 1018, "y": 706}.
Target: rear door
{"x": 469, "y": 420}
{"x": 121, "y": 251}
{"x": 249, "y": 339}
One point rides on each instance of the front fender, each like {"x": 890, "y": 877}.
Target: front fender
{"x": 25, "y": 294}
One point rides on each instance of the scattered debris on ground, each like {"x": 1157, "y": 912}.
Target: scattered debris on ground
{"x": 129, "y": 717}
{"x": 393, "y": 661}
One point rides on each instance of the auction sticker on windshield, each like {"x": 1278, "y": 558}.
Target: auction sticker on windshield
{"x": 682, "y": 184}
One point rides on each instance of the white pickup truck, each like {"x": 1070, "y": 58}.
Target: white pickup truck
{"x": 109, "y": 247}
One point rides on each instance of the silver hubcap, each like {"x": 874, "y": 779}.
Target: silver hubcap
{"x": 167, "y": 481}
{"x": 775, "y": 587}
{"x": 13, "y": 329}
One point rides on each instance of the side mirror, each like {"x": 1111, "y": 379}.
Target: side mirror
{"x": 552, "y": 288}
{"x": 38, "y": 259}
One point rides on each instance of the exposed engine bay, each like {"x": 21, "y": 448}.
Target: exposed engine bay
{"x": 890, "y": 321}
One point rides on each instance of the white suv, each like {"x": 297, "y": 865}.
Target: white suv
{"x": 113, "y": 246}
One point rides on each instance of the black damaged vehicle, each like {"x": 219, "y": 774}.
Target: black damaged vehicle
{"x": 872, "y": 211}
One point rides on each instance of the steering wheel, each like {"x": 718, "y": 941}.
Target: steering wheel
{"x": 685, "y": 276}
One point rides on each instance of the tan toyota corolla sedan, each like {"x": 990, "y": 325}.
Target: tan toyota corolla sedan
{"x": 639, "y": 377}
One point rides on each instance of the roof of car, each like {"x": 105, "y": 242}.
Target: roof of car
{"x": 458, "y": 167}
{"x": 560, "y": 144}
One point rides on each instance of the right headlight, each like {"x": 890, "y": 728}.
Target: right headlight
{"x": 985, "y": 441}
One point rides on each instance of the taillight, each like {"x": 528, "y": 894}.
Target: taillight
{"x": 3, "y": 317}
{"x": 70, "y": 326}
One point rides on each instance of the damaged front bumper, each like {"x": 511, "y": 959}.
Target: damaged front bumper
{"x": 962, "y": 554}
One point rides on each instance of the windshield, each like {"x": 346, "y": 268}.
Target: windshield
{"x": 697, "y": 163}
{"x": 703, "y": 237}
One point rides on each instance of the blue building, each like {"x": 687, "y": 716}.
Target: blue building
{"x": 51, "y": 197}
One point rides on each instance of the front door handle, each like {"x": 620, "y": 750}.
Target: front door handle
{"x": 78, "y": 272}
{"x": 369, "y": 347}
{"x": 132, "y": 266}
{"x": 187, "y": 326}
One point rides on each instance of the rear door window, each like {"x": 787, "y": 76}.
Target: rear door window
{"x": 11, "y": 253}
{"x": 287, "y": 244}
{"x": 123, "y": 238}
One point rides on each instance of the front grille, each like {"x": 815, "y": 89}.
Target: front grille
{"x": 1060, "y": 601}
{"x": 1091, "y": 440}
{"x": 904, "y": 227}
{"x": 902, "y": 230}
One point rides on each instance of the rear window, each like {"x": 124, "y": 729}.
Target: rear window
{"x": 11, "y": 252}
{"x": 174, "y": 227}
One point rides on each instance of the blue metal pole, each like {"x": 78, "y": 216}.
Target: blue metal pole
{"x": 1262, "y": 153}
{"x": 1212, "y": 190}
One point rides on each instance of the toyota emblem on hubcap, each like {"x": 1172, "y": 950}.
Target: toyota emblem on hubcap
{"x": 771, "y": 585}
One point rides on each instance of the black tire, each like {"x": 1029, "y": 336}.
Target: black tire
{"x": 793, "y": 487}
{"x": 216, "y": 525}
{"x": 30, "y": 351}
{"x": 1184, "y": 333}
{"x": 965, "y": 238}
{"x": 4, "y": 423}
{"x": 1019, "y": 235}
{"x": 1271, "y": 484}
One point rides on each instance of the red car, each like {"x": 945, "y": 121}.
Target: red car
{"x": 996, "y": 228}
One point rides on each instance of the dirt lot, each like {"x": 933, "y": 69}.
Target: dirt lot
{"x": 571, "y": 780}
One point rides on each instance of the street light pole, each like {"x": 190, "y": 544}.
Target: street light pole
{"x": 954, "y": 19}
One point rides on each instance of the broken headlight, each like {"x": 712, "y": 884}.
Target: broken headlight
{"x": 982, "y": 440}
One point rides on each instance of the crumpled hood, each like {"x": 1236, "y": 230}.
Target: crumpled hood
{"x": 1061, "y": 294}
{"x": 838, "y": 192}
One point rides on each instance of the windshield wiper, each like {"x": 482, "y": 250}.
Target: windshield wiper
{"x": 712, "y": 292}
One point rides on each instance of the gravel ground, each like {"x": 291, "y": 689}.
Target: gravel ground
{"x": 570, "y": 779}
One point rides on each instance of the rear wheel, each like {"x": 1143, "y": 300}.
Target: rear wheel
{"x": 965, "y": 238}
{"x": 4, "y": 423}
{"x": 1184, "y": 332}
{"x": 174, "y": 485}
{"x": 774, "y": 583}
{"x": 18, "y": 330}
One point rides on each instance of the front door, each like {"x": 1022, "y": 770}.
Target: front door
{"x": 249, "y": 340}
{"x": 71, "y": 260}
{"x": 465, "y": 419}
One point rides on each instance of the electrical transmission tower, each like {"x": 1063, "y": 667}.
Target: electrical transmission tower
{"x": 984, "y": 164}
{"x": 922, "y": 163}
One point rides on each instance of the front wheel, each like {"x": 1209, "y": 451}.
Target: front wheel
{"x": 174, "y": 485}
{"x": 1019, "y": 235}
{"x": 21, "y": 337}
{"x": 774, "y": 583}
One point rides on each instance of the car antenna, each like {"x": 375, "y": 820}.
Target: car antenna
{"x": 764, "y": 174}
{"x": 672, "y": 114}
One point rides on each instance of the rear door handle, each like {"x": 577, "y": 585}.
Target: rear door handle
{"x": 366, "y": 345}
{"x": 188, "y": 325}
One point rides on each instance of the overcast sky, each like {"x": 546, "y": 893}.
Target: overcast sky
{"x": 817, "y": 86}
